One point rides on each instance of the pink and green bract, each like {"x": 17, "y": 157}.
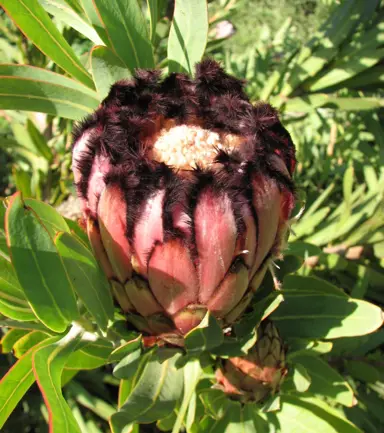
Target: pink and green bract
{"x": 186, "y": 189}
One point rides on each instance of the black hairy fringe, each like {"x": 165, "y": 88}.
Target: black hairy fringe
{"x": 127, "y": 119}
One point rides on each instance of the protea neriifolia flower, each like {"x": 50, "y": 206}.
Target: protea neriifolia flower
{"x": 259, "y": 374}
{"x": 186, "y": 188}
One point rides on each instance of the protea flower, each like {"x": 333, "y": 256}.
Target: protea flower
{"x": 186, "y": 189}
{"x": 259, "y": 374}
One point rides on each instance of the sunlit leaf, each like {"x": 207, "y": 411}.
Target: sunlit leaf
{"x": 48, "y": 364}
{"x": 29, "y": 88}
{"x": 87, "y": 278}
{"x": 107, "y": 68}
{"x": 17, "y": 381}
{"x": 188, "y": 35}
{"x": 36, "y": 24}
{"x": 46, "y": 284}
{"x": 126, "y": 30}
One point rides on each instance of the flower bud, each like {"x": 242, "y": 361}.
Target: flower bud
{"x": 259, "y": 374}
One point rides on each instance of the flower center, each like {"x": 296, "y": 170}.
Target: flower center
{"x": 188, "y": 146}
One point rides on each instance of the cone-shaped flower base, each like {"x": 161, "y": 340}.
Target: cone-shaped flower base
{"x": 259, "y": 374}
{"x": 186, "y": 188}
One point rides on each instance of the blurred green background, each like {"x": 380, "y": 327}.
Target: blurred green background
{"x": 321, "y": 63}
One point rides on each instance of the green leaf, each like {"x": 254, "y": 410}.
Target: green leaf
{"x": 50, "y": 218}
{"x": 331, "y": 317}
{"x": 28, "y": 341}
{"x": 215, "y": 402}
{"x": 13, "y": 302}
{"x": 38, "y": 27}
{"x": 89, "y": 357}
{"x": 17, "y": 381}
{"x": 192, "y": 373}
{"x": 127, "y": 33}
{"x": 96, "y": 405}
{"x": 309, "y": 103}
{"x": 125, "y": 389}
{"x": 125, "y": 349}
{"x": 188, "y": 35}
{"x": 156, "y": 393}
{"x": 107, "y": 68}
{"x": 303, "y": 249}
{"x": 262, "y": 310}
{"x": 39, "y": 141}
{"x": 309, "y": 415}
{"x": 348, "y": 68}
{"x": 153, "y": 8}
{"x": 23, "y": 181}
{"x": 48, "y": 364}
{"x": 301, "y": 378}
{"x": 87, "y": 278}
{"x": 325, "y": 380}
{"x": 323, "y": 47}
{"x": 10, "y": 338}
{"x": 311, "y": 284}
{"x": 363, "y": 371}
{"x": 130, "y": 364}
{"x": 29, "y": 88}
{"x": 311, "y": 314}
{"x": 39, "y": 268}
{"x": 63, "y": 12}
{"x": 93, "y": 17}
{"x": 206, "y": 336}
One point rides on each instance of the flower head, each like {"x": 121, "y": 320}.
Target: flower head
{"x": 186, "y": 187}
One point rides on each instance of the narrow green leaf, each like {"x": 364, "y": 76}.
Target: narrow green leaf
{"x": 156, "y": 392}
{"x": 153, "y": 8}
{"x": 89, "y": 357}
{"x": 45, "y": 284}
{"x": 347, "y": 190}
{"x": 29, "y": 88}
{"x": 125, "y": 349}
{"x": 96, "y": 405}
{"x": 309, "y": 103}
{"x": 39, "y": 141}
{"x": 325, "y": 380}
{"x": 28, "y": 341}
{"x": 31, "y": 326}
{"x": 130, "y": 364}
{"x": 107, "y": 68}
{"x": 48, "y": 364}
{"x": 363, "y": 371}
{"x": 215, "y": 402}
{"x": 192, "y": 373}
{"x": 63, "y": 12}
{"x": 13, "y": 303}
{"x": 307, "y": 224}
{"x": 87, "y": 278}
{"x": 36, "y": 24}
{"x": 126, "y": 30}
{"x": 206, "y": 336}
{"x": 124, "y": 391}
{"x": 17, "y": 381}
{"x": 188, "y": 35}
{"x": 312, "y": 285}
{"x": 93, "y": 17}
{"x": 23, "y": 181}
{"x": 50, "y": 218}
{"x": 10, "y": 338}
